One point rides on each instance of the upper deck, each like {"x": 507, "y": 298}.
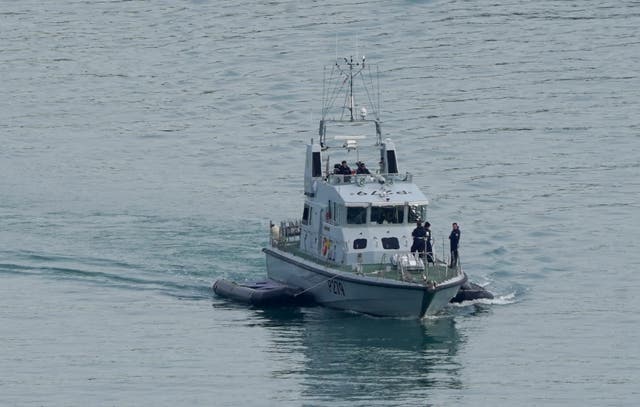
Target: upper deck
{"x": 365, "y": 189}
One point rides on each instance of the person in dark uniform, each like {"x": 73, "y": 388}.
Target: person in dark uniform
{"x": 418, "y": 234}
{"x": 427, "y": 240}
{"x": 362, "y": 169}
{"x": 454, "y": 239}
{"x": 336, "y": 169}
{"x": 345, "y": 170}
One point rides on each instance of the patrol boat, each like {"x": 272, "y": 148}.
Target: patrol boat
{"x": 351, "y": 248}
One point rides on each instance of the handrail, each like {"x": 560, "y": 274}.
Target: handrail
{"x": 361, "y": 179}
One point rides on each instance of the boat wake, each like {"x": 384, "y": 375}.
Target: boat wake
{"x": 110, "y": 274}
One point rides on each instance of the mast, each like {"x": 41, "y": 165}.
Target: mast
{"x": 343, "y": 75}
{"x": 350, "y": 75}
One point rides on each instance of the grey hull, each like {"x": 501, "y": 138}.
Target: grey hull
{"x": 348, "y": 291}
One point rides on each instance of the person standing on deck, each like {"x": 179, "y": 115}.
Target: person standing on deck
{"x": 427, "y": 240}
{"x": 362, "y": 169}
{"x": 454, "y": 239}
{"x": 344, "y": 168}
{"x": 345, "y": 171}
{"x": 418, "y": 234}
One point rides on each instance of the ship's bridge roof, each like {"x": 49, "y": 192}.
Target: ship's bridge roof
{"x": 358, "y": 190}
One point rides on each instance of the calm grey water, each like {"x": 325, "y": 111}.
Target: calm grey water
{"x": 144, "y": 147}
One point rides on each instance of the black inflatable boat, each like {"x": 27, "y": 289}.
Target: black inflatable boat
{"x": 471, "y": 291}
{"x": 259, "y": 293}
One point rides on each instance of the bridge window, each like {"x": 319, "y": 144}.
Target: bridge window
{"x": 387, "y": 214}
{"x": 356, "y": 215}
{"x": 417, "y": 213}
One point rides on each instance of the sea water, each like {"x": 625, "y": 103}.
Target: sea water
{"x": 145, "y": 146}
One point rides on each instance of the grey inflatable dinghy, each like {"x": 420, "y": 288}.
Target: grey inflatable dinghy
{"x": 471, "y": 291}
{"x": 259, "y": 293}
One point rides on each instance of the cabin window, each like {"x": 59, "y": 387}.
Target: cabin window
{"x": 417, "y": 213}
{"x": 360, "y": 244}
{"x": 335, "y": 213}
{"x": 390, "y": 243}
{"x": 387, "y": 214}
{"x": 356, "y": 215}
{"x": 329, "y": 214}
{"x": 306, "y": 215}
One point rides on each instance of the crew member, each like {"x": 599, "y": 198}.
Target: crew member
{"x": 428, "y": 240}
{"x": 454, "y": 239}
{"x": 418, "y": 234}
{"x": 345, "y": 171}
{"x": 344, "y": 168}
{"x": 362, "y": 169}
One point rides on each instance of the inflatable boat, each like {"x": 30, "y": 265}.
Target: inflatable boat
{"x": 470, "y": 292}
{"x": 260, "y": 293}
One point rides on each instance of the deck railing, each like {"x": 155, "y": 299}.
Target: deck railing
{"x": 406, "y": 267}
{"x": 361, "y": 179}
{"x": 287, "y": 233}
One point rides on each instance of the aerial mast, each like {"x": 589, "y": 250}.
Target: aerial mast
{"x": 350, "y": 75}
{"x": 343, "y": 74}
